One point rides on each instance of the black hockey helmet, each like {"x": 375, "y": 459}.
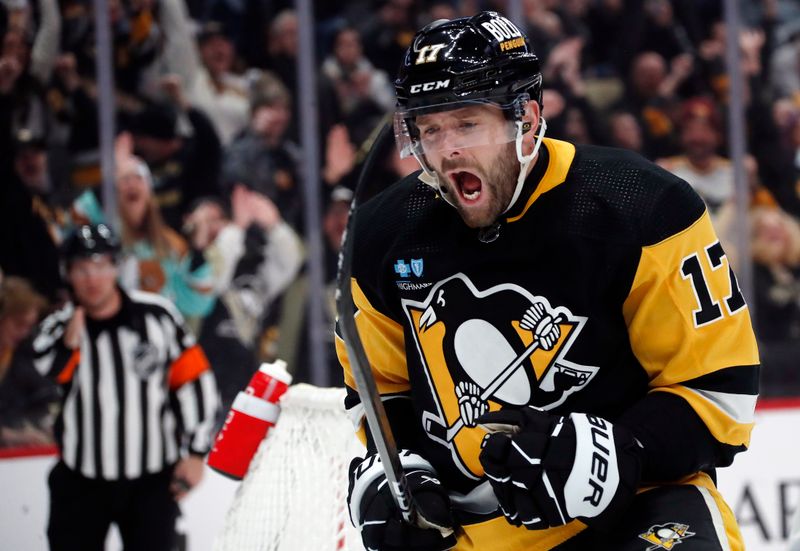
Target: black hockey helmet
{"x": 89, "y": 240}
{"x": 453, "y": 63}
{"x": 483, "y": 57}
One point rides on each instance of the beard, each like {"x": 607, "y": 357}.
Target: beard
{"x": 498, "y": 181}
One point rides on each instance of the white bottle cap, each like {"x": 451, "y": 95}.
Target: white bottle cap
{"x": 277, "y": 370}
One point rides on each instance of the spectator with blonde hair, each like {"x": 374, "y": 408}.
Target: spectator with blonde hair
{"x": 775, "y": 249}
{"x": 27, "y": 399}
{"x": 159, "y": 260}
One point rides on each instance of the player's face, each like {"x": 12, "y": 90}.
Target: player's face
{"x": 94, "y": 281}
{"x": 478, "y": 179}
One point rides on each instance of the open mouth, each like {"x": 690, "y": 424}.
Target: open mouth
{"x": 131, "y": 197}
{"x": 469, "y": 185}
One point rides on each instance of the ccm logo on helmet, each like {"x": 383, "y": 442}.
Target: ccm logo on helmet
{"x": 429, "y": 86}
{"x": 501, "y": 28}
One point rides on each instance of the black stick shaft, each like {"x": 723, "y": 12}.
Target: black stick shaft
{"x": 375, "y": 413}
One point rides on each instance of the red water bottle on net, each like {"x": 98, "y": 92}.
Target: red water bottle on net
{"x": 254, "y": 411}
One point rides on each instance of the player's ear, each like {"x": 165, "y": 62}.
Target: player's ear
{"x": 531, "y": 117}
{"x": 532, "y": 114}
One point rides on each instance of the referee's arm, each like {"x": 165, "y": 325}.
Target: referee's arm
{"x": 194, "y": 391}
{"x": 52, "y": 357}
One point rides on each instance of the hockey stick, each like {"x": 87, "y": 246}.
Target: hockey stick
{"x": 362, "y": 372}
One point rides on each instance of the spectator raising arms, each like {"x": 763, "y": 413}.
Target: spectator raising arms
{"x": 158, "y": 259}
{"x": 254, "y": 255}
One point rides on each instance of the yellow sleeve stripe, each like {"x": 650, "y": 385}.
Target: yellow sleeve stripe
{"x": 561, "y": 156}
{"x": 383, "y": 343}
{"x": 723, "y": 426}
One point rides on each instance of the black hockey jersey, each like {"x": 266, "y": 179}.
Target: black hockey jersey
{"x": 654, "y": 331}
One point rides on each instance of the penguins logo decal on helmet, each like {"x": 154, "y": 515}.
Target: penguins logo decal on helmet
{"x": 451, "y": 64}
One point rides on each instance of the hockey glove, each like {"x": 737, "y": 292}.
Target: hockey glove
{"x": 374, "y": 512}
{"x": 547, "y": 470}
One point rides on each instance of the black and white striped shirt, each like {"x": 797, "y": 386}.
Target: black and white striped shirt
{"x": 138, "y": 394}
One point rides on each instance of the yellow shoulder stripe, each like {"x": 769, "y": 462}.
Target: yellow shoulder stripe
{"x": 561, "y": 156}
{"x": 383, "y": 342}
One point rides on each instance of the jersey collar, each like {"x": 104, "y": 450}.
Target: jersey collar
{"x": 551, "y": 168}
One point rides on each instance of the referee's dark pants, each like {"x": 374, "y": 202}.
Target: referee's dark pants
{"x": 82, "y": 510}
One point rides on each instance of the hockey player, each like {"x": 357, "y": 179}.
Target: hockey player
{"x": 562, "y": 348}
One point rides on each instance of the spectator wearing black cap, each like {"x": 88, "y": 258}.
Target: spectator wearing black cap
{"x": 28, "y": 208}
{"x": 334, "y": 224}
{"x": 182, "y": 149}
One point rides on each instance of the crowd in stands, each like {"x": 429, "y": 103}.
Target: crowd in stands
{"x": 209, "y": 171}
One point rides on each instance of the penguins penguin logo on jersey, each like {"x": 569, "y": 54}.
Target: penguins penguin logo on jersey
{"x": 485, "y": 349}
{"x": 666, "y": 536}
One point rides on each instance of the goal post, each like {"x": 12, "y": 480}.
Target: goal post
{"x": 294, "y": 496}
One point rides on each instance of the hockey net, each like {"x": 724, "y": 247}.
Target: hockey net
{"x": 294, "y": 496}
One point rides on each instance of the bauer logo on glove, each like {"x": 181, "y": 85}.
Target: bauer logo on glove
{"x": 547, "y": 470}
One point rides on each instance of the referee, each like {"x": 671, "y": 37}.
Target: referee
{"x": 139, "y": 401}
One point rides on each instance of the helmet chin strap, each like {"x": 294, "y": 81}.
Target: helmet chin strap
{"x": 432, "y": 179}
{"x": 525, "y": 160}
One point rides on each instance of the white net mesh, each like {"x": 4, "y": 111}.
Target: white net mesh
{"x": 294, "y": 496}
